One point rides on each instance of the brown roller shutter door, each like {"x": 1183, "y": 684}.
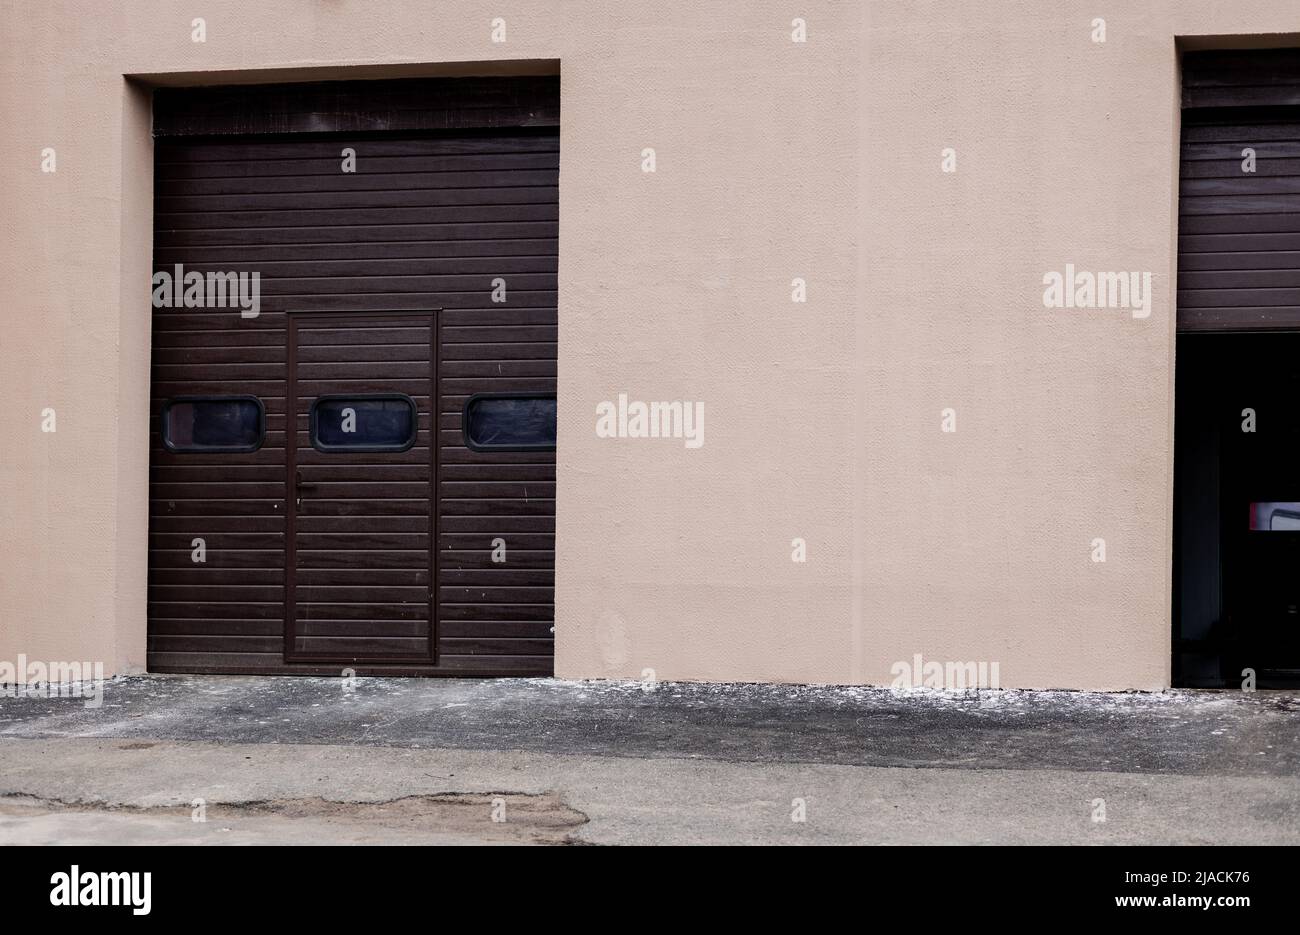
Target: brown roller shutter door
{"x": 373, "y": 551}
{"x": 1239, "y": 220}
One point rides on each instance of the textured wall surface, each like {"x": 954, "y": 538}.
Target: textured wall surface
{"x": 775, "y": 160}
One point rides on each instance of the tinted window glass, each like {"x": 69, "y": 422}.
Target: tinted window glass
{"x": 372, "y": 423}
{"x": 1274, "y": 516}
{"x": 510, "y": 422}
{"x": 213, "y": 424}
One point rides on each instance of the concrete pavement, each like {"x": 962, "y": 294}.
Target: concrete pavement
{"x": 436, "y": 761}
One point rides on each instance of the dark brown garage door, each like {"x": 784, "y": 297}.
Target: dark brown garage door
{"x": 315, "y": 501}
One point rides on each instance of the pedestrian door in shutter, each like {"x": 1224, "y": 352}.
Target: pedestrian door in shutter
{"x": 360, "y": 574}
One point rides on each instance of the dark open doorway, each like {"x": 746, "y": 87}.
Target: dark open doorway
{"x": 1236, "y": 602}
{"x": 1237, "y": 509}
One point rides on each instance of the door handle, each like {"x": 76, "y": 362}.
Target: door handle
{"x": 299, "y": 486}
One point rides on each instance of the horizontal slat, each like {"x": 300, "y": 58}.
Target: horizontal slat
{"x": 248, "y": 169}
{"x": 244, "y": 490}
{"x": 192, "y": 576}
{"x": 335, "y": 283}
{"x": 1228, "y": 131}
{"x": 1236, "y": 298}
{"x": 377, "y": 617}
{"x": 497, "y": 315}
{"x": 424, "y": 231}
{"x": 442, "y": 252}
{"x": 1236, "y": 242}
{"x": 415, "y": 506}
{"x": 463, "y": 387}
{"x": 1226, "y": 162}
{"x": 219, "y": 558}
{"x": 351, "y": 594}
{"x": 498, "y": 646}
{"x": 349, "y": 575}
{"x": 503, "y": 574}
{"x": 497, "y": 489}
{"x": 408, "y": 177}
{"x": 360, "y": 541}
{"x": 377, "y": 490}
{"x": 496, "y": 611}
{"x": 1242, "y": 184}
{"x": 529, "y": 551}
{"x": 519, "y": 193}
{"x": 200, "y": 610}
{"x": 307, "y": 523}
{"x": 218, "y": 594}
{"x": 450, "y": 630}
{"x": 1259, "y": 95}
{"x": 313, "y": 219}
{"x": 410, "y": 559}
{"x": 218, "y": 541}
{"x": 1257, "y": 279}
{"x": 214, "y": 643}
{"x": 486, "y": 470}
{"x": 1231, "y": 260}
{"x": 1246, "y": 318}
{"x": 361, "y": 646}
{"x": 511, "y": 526}
{"x": 1239, "y": 205}
{"x": 187, "y": 527}
{"x": 449, "y": 666}
{"x": 511, "y": 594}
{"x": 533, "y": 506}
{"x": 165, "y": 626}
{"x": 1231, "y": 231}
{"x": 178, "y": 153}
{"x": 500, "y": 350}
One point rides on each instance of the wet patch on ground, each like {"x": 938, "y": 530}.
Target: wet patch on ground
{"x": 1183, "y": 732}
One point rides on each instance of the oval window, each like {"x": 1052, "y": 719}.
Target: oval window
{"x": 213, "y": 423}
{"x": 509, "y": 422}
{"x": 384, "y": 422}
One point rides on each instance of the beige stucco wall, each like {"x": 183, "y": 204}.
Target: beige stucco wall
{"x": 775, "y": 160}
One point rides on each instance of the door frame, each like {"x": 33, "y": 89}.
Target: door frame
{"x": 1231, "y": 80}
{"x": 295, "y": 317}
{"x": 538, "y": 80}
